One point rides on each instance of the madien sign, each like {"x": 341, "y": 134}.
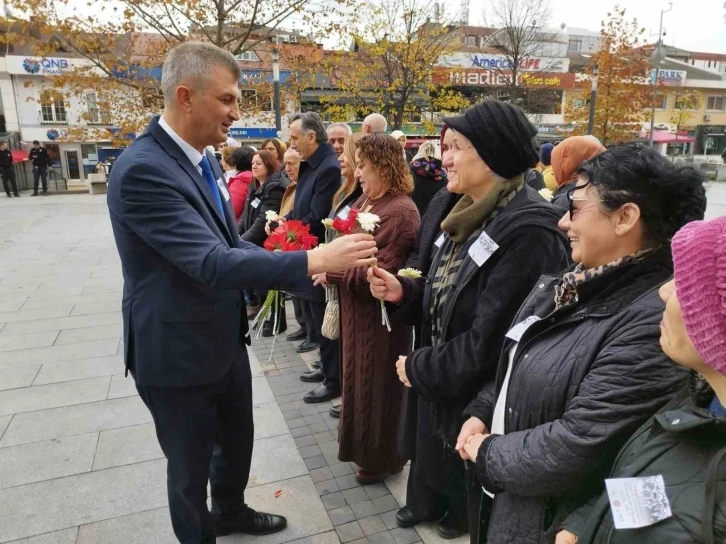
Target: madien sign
{"x": 490, "y": 78}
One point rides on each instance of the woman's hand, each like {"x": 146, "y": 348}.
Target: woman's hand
{"x": 320, "y": 279}
{"x": 401, "y": 370}
{"x": 384, "y": 285}
{"x": 565, "y": 537}
{"x": 472, "y": 445}
{"x": 279, "y": 220}
{"x": 472, "y": 426}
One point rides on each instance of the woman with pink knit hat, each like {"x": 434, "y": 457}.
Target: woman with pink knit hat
{"x": 685, "y": 443}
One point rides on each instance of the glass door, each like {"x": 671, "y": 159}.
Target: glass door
{"x": 73, "y": 165}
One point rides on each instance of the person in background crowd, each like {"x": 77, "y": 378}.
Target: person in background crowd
{"x": 545, "y": 157}
{"x": 373, "y": 123}
{"x": 291, "y": 162}
{"x": 372, "y": 394}
{"x": 7, "y": 171}
{"x": 229, "y": 142}
{"x": 277, "y": 148}
{"x": 429, "y": 177}
{"x": 265, "y": 193}
{"x": 400, "y": 137}
{"x": 350, "y": 190}
{"x": 41, "y": 161}
{"x": 567, "y": 157}
{"x": 229, "y": 169}
{"x": 684, "y": 443}
{"x": 581, "y": 368}
{"x": 239, "y": 183}
{"x": 318, "y": 181}
{"x": 496, "y": 241}
{"x": 338, "y": 133}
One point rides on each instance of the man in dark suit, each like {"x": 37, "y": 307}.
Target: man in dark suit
{"x": 41, "y": 162}
{"x": 7, "y": 171}
{"x": 184, "y": 266}
{"x": 318, "y": 180}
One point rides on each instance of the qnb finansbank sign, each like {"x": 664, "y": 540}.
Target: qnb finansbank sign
{"x": 42, "y": 66}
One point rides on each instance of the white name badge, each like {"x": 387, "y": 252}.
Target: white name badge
{"x": 638, "y": 502}
{"x": 516, "y": 332}
{"x": 255, "y": 203}
{"x": 223, "y": 189}
{"x": 343, "y": 214}
{"x": 440, "y": 241}
{"x": 482, "y": 249}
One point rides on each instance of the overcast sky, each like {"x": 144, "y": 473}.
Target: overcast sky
{"x": 697, "y": 25}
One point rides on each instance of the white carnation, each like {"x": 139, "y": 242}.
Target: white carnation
{"x": 412, "y": 273}
{"x": 327, "y": 223}
{"x": 546, "y": 194}
{"x": 271, "y": 215}
{"x": 368, "y": 221}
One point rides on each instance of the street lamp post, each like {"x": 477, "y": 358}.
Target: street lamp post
{"x": 655, "y": 59}
{"x": 593, "y": 98}
{"x": 276, "y": 82}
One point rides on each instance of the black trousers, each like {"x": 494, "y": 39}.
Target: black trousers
{"x": 314, "y": 311}
{"x": 9, "y": 183}
{"x": 206, "y": 434}
{"x": 299, "y": 304}
{"x": 40, "y": 172}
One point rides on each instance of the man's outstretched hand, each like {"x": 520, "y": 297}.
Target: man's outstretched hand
{"x": 344, "y": 253}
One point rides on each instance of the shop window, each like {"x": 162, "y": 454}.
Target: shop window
{"x": 661, "y": 101}
{"x": 52, "y": 107}
{"x": 249, "y": 56}
{"x": 470, "y": 41}
{"x": 574, "y": 45}
{"x": 579, "y": 103}
{"x": 716, "y": 103}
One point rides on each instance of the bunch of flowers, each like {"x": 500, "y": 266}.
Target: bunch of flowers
{"x": 290, "y": 236}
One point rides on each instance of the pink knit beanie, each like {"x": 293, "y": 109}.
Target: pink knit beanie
{"x": 699, "y": 259}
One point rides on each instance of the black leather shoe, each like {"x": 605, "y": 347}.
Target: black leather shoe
{"x": 306, "y": 346}
{"x": 314, "y": 376}
{"x": 449, "y": 531}
{"x": 405, "y": 518}
{"x": 316, "y": 364}
{"x": 321, "y": 393}
{"x": 249, "y": 522}
{"x": 298, "y": 335}
{"x": 335, "y": 412}
{"x": 34, "y": 194}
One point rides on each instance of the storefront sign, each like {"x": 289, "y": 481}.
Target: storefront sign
{"x": 554, "y": 129}
{"x": 669, "y": 78}
{"x": 500, "y": 62}
{"x": 255, "y": 77}
{"x": 490, "y": 78}
{"x": 42, "y": 66}
{"x": 252, "y": 133}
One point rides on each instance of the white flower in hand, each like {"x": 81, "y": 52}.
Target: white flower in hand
{"x": 327, "y": 223}
{"x": 368, "y": 221}
{"x": 546, "y": 194}
{"x": 271, "y": 216}
{"x": 412, "y": 273}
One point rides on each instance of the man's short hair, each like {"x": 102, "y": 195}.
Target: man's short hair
{"x": 377, "y": 122}
{"x": 194, "y": 62}
{"x": 36, "y": 142}
{"x": 344, "y": 126}
{"x": 311, "y": 122}
{"x": 290, "y": 151}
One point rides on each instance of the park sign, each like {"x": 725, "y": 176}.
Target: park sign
{"x": 669, "y": 78}
{"x": 43, "y": 66}
{"x": 474, "y": 77}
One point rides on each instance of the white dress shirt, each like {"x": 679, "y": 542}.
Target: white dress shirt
{"x": 194, "y": 156}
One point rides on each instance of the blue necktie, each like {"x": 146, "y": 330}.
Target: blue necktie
{"x": 208, "y": 176}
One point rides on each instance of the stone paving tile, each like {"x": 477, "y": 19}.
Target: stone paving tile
{"x": 372, "y": 525}
{"x": 340, "y": 516}
{"x": 80, "y": 369}
{"x": 61, "y": 323}
{"x": 66, "y": 536}
{"x": 85, "y": 350}
{"x": 121, "y": 386}
{"x": 97, "y": 307}
{"x": 87, "y": 334}
{"x": 31, "y": 463}
{"x": 73, "y": 420}
{"x": 25, "y": 341}
{"x": 13, "y": 378}
{"x": 59, "y": 310}
{"x": 4, "y": 422}
{"x": 349, "y": 532}
{"x": 16, "y": 401}
{"x": 125, "y": 446}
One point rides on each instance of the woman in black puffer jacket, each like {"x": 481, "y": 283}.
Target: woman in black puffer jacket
{"x": 685, "y": 443}
{"x": 581, "y": 367}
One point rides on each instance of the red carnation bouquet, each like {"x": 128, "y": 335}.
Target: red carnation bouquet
{"x": 290, "y": 236}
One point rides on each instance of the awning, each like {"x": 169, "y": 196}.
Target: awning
{"x": 19, "y": 155}
{"x": 668, "y": 138}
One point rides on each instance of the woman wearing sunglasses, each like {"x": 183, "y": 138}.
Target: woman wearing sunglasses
{"x": 582, "y": 368}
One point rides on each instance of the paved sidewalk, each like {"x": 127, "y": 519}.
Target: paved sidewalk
{"x": 79, "y": 461}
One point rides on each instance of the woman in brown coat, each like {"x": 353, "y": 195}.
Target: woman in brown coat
{"x": 372, "y": 393}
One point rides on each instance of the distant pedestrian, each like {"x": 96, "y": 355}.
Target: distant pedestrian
{"x": 545, "y": 157}
{"x": 429, "y": 176}
{"x": 41, "y": 162}
{"x": 7, "y": 171}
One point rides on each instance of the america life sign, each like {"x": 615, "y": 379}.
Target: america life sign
{"x": 500, "y": 63}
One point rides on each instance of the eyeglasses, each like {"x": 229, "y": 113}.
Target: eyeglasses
{"x": 572, "y": 199}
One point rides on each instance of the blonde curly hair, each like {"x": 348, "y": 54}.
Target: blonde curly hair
{"x": 384, "y": 154}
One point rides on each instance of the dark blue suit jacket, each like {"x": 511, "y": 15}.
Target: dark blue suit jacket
{"x": 184, "y": 266}
{"x": 317, "y": 182}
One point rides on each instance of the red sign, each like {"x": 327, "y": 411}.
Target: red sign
{"x": 489, "y": 78}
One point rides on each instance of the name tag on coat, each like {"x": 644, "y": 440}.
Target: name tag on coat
{"x": 482, "y": 249}
{"x": 516, "y": 332}
{"x": 343, "y": 214}
{"x": 638, "y": 502}
{"x": 223, "y": 189}
{"x": 255, "y": 203}
{"x": 440, "y": 240}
